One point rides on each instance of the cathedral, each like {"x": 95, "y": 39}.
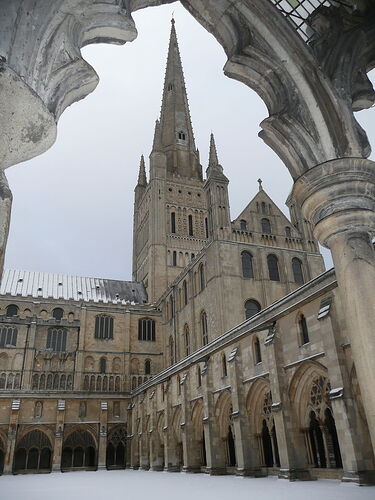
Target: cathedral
{"x": 228, "y": 353}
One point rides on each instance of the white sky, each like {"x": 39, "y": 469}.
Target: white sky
{"x": 73, "y": 206}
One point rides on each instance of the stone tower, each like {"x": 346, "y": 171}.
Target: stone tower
{"x": 170, "y": 212}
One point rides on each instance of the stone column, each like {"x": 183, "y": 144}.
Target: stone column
{"x": 12, "y": 437}
{"x": 5, "y": 211}
{"x": 214, "y": 447}
{"x": 103, "y": 431}
{"x": 155, "y": 458}
{"x": 290, "y": 440}
{"x": 59, "y": 436}
{"x": 134, "y": 453}
{"x": 190, "y": 444}
{"x": 246, "y": 454}
{"x": 170, "y": 451}
{"x": 338, "y": 197}
{"x": 355, "y": 464}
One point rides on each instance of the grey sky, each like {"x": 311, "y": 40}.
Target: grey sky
{"x": 73, "y": 206}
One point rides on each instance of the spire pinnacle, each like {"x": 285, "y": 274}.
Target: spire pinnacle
{"x": 157, "y": 140}
{"x": 213, "y": 159}
{"x": 142, "y": 179}
{"x": 175, "y": 123}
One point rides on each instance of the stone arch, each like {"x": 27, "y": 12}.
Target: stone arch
{"x": 79, "y": 450}
{"x": 223, "y": 414}
{"x": 33, "y": 451}
{"x": 117, "y": 448}
{"x": 89, "y": 364}
{"x": 197, "y": 416}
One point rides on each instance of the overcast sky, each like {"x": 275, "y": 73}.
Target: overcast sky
{"x": 73, "y": 206}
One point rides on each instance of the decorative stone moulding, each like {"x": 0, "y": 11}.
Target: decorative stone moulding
{"x": 338, "y": 196}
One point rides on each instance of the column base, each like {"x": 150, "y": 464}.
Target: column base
{"x": 296, "y": 475}
{"x": 172, "y": 468}
{"x": 250, "y": 472}
{"x": 194, "y": 469}
{"x": 157, "y": 468}
{"x": 102, "y": 467}
{"x": 56, "y": 468}
{"x": 362, "y": 478}
{"x": 145, "y": 467}
{"x": 7, "y": 472}
{"x": 134, "y": 467}
{"x": 216, "y": 471}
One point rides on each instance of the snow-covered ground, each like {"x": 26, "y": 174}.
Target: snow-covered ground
{"x": 141, "y": 485}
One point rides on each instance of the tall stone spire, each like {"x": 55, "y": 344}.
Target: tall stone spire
{"x": 142, "y": 179}
{"x": 175, "y": 131}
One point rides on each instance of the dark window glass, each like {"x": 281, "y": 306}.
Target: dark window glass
{"x": 102, "y": 365}
{"x": 185, "y": 292}
{"x": 147, "y": 367}
{"x": 11, "y": 310}
{"x": 304, "y": 333}
{"x": 173, "y": 222}
{"x": 56, "y": 339}
{"x": 252, "y": 307}
{"x": 247, "y": 265}
{"x": 103, "y": 327}
{"x": 187, "y": 340}
{"x": 146, "y": 329}
{"x": 202, "y": 280}
{"x": 257, "y": 352}
{"x": 191, "y": 231}
{"x": 58, "y": 313}
{"x": 224, "y": 365}
{"x": 204, "y": 329}
{"x": 243, "y": 225}
{"x": 206, "y": 226}
{"x": 263, "y": 207}
{"x": 273, "y": 268}
{"x": 288, "y": 232}
{"x": 174, "y": 258}
{"x": 266, "y": 226}
{"x": 181, "y": 135}
{"x": 297, "y": 270}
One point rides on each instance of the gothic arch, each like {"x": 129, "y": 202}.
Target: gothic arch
{"x": 33, "y": 450}
{"x": 79, "y": 450}
{"x": 254, "y": 403}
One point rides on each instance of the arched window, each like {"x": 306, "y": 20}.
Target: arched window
{"x": 170, "y": 86}
{"x": 56, "y": 339}
{"x": 146, "y": 329}
{"x": 191, "y": 230}
{"x": 303, "y": 331}
{"x": 202, "y": 280}
{"x": 11, "y": 311}
{"x": 199, "y": 376}
{"x": 266, "y": 226}
{"x": 102, "y": 365}
{"x": 204, "y": 329}
{"x": 148, "y": 367}
{"x": 173, "y": 222}
{"x": 185, "y": 292}
{"x": 8, "y": 336}
{"x": 187, "y": 340}
{"x": 252, "y": 307}
{"x": 224, "y": 368}
{"x": 247, "y": 265}
{"x": 206, "y": 226}
{"x": 174, "y": 258}
{"x": 171, "y": 350}
{"x": 263, "y": 207}
{"x": 273, "y": 268}
{"x": 288, "y": 232}
{"x": 243, "y": 225}
{"x": 256, "y": 351}
{"x": 58, "y": 313}
{"x": 103, "y": 327}
{"x": 297, "y": 270}
{"x": 181, "y": 135}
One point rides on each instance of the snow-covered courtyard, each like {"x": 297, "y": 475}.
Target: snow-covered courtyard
{"x": 129, "y": 484}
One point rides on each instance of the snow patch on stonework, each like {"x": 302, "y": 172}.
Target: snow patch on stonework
{"x": 129, "y": 484}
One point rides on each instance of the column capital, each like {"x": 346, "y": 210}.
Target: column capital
{"x": 338, "y": 196}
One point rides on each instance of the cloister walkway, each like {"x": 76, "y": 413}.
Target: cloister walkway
{"x": 129, "y": 484}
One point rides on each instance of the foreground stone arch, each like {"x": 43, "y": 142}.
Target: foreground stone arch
{"x": 310, "y": 92}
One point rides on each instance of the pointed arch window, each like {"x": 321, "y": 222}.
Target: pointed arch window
{"x": 174, "y": 258}
{"x": 252, "y": 307}
{"x": 170, "y": 86}
{"x": 103, "y": 327}
{"x": 204, "y": 328}
{"x": 224, "y": 367}
{"x": 297, "y": 271}
{"x": 206, "y": 226}
{"x": 243, "y": 225}
{"x": 256, "y": 351}
{"x": 187, "y": 340}
{"x": 173, "y": 222}
{"x": 191, "y": 229}
{"x": 58, "y": 313}
{"x": 303, "y": 330}
{"x": 202, "y": 280}
{"x": 247, "y": 265}
{"x": 273, "y": 268}
{"x": 185, "y": 292}
{"x": 8, "y": 336}
{"x": 181, "y": 135}
{"x": 288, "y": 232}
{"x": 266, "y": 226}
{"x": 263, "y": 207}
{"x": 56, "y": 339}
{"x": 102, "y": 365}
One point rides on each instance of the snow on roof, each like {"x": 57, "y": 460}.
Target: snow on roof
{"x": 62, "y": 286}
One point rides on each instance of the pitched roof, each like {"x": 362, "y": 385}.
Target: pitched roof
{"x": 65, "y": 287}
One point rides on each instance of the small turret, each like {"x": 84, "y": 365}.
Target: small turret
{"x": 142, "y": 179}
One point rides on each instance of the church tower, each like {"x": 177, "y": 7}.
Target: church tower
{"x": 170, "y": 211}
